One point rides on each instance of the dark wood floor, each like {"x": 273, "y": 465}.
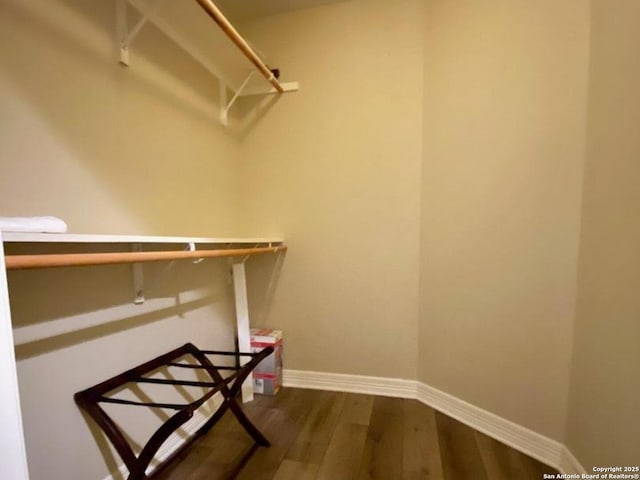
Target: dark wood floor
{"x": 319, "y": 435}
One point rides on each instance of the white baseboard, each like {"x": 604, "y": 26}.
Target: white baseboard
{"x": 538, "y": 446}
{"x": 569, "y": 463}
{"x": 337, "y": 382}
{"x": 516, "y": 436}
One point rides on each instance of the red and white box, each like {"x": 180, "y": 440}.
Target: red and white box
{"x": 267, "y": 376}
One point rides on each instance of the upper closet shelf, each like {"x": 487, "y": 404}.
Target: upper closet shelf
{"x": 90, "y": 238}
{"x": 221, "y": 51}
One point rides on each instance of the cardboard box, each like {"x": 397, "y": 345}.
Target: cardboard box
{"x": 267, "y": 376}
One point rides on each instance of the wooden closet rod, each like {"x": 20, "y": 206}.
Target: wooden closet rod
{"x": 15, "y": 262}
{"x": 214, "y": 12}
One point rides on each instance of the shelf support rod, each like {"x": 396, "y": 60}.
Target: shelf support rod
{"x": 125, "y": 38}
{"x": 134, "y": 32}
{"x": 223, "y": 103}
{"x": 192, "y": 248}
{"x": 138, "y": 278}
{"x": 224, "y": 109}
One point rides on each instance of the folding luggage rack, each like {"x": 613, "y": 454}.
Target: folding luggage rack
{"x": 90, "y": 399}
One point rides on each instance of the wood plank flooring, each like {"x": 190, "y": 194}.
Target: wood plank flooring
{"x": 318, "y": 435}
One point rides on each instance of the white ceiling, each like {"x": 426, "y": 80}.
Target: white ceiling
{"x": 239, "y": 10}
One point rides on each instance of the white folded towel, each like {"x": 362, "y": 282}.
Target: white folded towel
{"x": 33, "y": 224}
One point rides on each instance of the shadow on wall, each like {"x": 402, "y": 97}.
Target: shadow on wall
{"x": 263, "y": 274}
{"x": 247, "y": 111}
{"x": 90, "y": 56}
{"x": 130, "y": 415}
{"x": 148, "y": 135}
{"x": 252, "y": 111}
{"x": 61, "y": 307}
{"x": 79, "y": 326}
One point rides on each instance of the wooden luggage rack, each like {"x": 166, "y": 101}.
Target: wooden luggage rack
{"x": 90, "y": 399}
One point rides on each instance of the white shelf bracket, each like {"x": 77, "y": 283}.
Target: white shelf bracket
{"x": 138, "y": 278}
{"x": 286, "y": 87}
{"x": 125, "y": 37}
{"x": 192, "y": 248}
{"x": 224, "y": 106}
{"x": 223, "y": 102}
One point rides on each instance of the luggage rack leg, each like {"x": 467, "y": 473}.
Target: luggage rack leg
{"x": 90, "y": 399}
{"x": 231, "y": 394}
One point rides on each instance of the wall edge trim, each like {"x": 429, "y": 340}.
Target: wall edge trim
{"x": 339, "y": 382}
{"x": 569, "y": 463}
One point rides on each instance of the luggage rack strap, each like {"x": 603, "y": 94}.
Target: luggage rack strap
{"x": 234, "y": 354}
{"x": 90, "y": 399}
{"x": 199, "y": 367}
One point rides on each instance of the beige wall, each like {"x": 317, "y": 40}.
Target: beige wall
{"x": 110, "y": 150}
{"x": 604, "y": 420}
{"x": 504, "y": 118}
{"x": 335, "y": 168}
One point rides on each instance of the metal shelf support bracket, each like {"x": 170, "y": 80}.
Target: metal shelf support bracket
{"x": 126, "y": 36}
{"x": 224, "y": 106}
{"x": 138, "y": 278}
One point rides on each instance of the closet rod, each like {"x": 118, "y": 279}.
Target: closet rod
{"x": 15, "y": 262}
{"x": 215, "y": 13}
